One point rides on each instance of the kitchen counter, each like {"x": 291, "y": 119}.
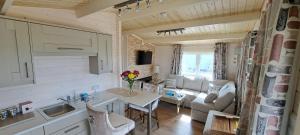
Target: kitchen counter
{"x": 39, "y": 121}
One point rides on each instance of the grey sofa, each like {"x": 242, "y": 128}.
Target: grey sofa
{"x": 223, "y": 103}
{"x": 197, "y": 90}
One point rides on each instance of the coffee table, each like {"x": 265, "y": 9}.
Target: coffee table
{"x": 173, "y": 95}
{"x": 219, "y": 123}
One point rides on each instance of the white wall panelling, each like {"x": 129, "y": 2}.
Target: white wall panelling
{"x": 58, "y": 76}
{"x": 163, "y": 58}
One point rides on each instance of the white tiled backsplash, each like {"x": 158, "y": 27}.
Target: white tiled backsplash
{"x": 57, "y": 76}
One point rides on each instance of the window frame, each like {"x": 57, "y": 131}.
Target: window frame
{"x": 198, "y": 62}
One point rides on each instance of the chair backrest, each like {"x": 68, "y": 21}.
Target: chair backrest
{"x": 148, "y": 87}
{"x": 99, "y": 121}
{"x": 155, "y": 104}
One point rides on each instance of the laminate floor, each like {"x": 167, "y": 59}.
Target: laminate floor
{"x": 170, "y": 122}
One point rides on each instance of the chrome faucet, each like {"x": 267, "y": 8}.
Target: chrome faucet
{"x": 65, "y": 100}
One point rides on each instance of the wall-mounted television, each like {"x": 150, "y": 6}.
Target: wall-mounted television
{"x": 143, "y": 57}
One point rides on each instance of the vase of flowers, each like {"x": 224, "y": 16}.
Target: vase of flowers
{"x": 130, "y": 77}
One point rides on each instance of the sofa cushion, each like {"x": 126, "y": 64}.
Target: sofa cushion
{"x": 211, "y": 97}
{"x": 226, "y": 96}
{"x": 170, "y": 83}
{"x": 190, "y": 95}
{"x": 226, "y": 88}
{"x": 192, "y": 84}
{"x": 199, "y": 105}
{"x": 218, "y": 84}
{"x": 179, "y": 80}
{"x": 205, "y": 85}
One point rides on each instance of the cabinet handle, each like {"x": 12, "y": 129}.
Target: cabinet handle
{"x": 112, "y": 107}
{"x": 101, "y": 64}
{"x": 65, "y": 48}
{"x": 26, "y": 69}
{"x": 69, "y": 130}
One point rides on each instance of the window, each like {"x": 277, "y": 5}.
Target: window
{"x": 197, "y": 65}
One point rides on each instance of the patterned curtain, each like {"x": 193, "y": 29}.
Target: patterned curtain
{"x": 220, "y": 61}
{"x": 245, "y": 90}
{"x": 268, "y": 71}
{"x": 176, "y": 62}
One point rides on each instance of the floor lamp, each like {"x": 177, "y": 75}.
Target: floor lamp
{"x": 156, "y": 74}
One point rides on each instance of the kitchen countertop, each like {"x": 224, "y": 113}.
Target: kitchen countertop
{"x": 39, "y": 121}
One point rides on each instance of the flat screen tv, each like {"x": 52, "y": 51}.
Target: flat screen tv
{"x": 143, "y": 57}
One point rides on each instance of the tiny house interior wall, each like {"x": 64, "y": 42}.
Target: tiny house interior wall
{"x": 133, "y": 44}
{"x": 57, "y": 76}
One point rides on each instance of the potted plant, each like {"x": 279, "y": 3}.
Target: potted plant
{"x": 130, "y": 77}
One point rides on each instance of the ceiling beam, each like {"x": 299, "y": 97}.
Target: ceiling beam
{"x": 172, "y": 39}
{"x": 199, "y": 22}
{"x": 95, "y": 5}
{"x": 158, "y": 7}
{"x": 5, "y": 5}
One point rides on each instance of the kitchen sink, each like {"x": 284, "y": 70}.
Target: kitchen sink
{"x": 57, "y": 110}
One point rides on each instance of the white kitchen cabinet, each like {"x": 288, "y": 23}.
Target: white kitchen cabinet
{"x": 15, "y": 53}
{"x": 36, "y": 131}
{"x": 77, "y": 128}
{"x": 103, "y": 63}
{"x": 84, "y": 132}
{"x": 73, "y": 124}
{"x": 105, "y": 52}
{"x": 58, "y": 40}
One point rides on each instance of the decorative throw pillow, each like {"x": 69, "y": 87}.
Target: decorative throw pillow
{"x": 171, "y": 83}
{"x": 214, "y": 88}
{"x": 211, "y": 97}
{"x": 179, "y": 80}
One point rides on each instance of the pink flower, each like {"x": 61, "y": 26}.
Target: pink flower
{"x": 136, "y": 72}
{"x": 125, "y": 73}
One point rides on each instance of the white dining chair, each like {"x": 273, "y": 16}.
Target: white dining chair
{"x": 102, "y": 123}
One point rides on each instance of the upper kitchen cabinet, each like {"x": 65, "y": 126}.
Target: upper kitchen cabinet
{"x": 15, "y": 53}
{"x": 103, "y": 63}
{"x": 57, "y": 40}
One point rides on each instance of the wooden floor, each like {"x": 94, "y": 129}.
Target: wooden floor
{"x": 171, "y": 123}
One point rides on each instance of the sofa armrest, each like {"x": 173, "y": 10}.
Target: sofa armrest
{"x": 216, "y": 85}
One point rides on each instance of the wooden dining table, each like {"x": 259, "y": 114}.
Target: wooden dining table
{"x": 139, "y": 98}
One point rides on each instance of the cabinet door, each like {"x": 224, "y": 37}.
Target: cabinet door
{"x": 37, "y": 131}
{"x": 50, "y": 39}
{"x": 84, "y": 132}
{"x": 15, "y": 53}
{"x": 72, "y": 123}
{"x": 105, "y": 53}
{"x": 74, "y": 129}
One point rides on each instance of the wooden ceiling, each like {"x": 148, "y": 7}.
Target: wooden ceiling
{"x": 201, "y": 10}
{"x": 210, "y": 17}
{"x": 200, "y": 18}
{"x": 60, "y": 4}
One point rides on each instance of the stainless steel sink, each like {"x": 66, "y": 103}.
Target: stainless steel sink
{"x": 57, "y": 110}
